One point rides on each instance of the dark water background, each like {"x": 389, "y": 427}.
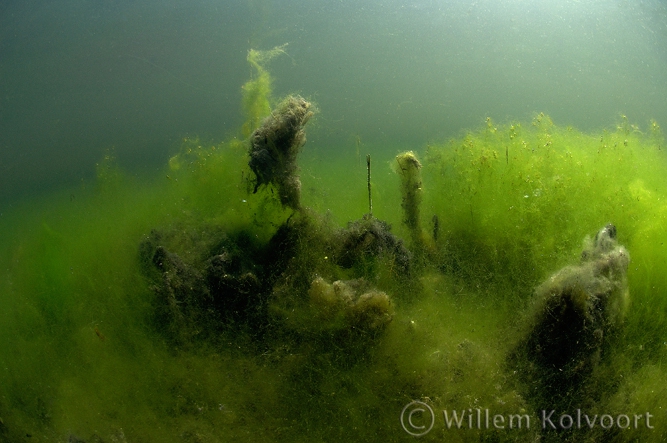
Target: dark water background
{"x": 80, "y": 77}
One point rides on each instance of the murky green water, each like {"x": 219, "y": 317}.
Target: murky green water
{"x": 508, "y": 283}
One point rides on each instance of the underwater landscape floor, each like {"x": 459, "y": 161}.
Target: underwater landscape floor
{"x": 510, "y": 285}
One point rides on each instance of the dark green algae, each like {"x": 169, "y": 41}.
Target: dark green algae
{"x": 86, "y": 355}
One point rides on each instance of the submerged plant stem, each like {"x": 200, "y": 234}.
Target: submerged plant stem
{"x": 370, "y": 198}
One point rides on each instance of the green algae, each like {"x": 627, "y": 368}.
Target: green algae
{"x": 257, "y": 90}
{"x": 85, "y": 356}
{"x": 535, "y": 191}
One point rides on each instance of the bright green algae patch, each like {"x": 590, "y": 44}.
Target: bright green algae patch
{"x": 503, "y": 208}
{"x": 514, "y": 202}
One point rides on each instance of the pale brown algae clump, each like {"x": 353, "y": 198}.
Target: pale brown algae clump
{"x": 350, "y": 304}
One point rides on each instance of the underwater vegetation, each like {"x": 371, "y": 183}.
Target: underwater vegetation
{"x": 257, "y": 90}
{"x": 219, "y": 302}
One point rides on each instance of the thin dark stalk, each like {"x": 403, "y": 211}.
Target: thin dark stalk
{"x": 368, "y": 180}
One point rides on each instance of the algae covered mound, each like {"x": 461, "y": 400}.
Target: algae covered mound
{"x": 367, "y": 241}
{"x": 579, "y": 312}
{"x": 275, "y": 146}
{"x": 226, "y": 283}
{"x": 232, "y": 280}
{"x": 237, "y": 282}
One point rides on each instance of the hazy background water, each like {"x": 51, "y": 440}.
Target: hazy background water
{"x": 79, "y": 77}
